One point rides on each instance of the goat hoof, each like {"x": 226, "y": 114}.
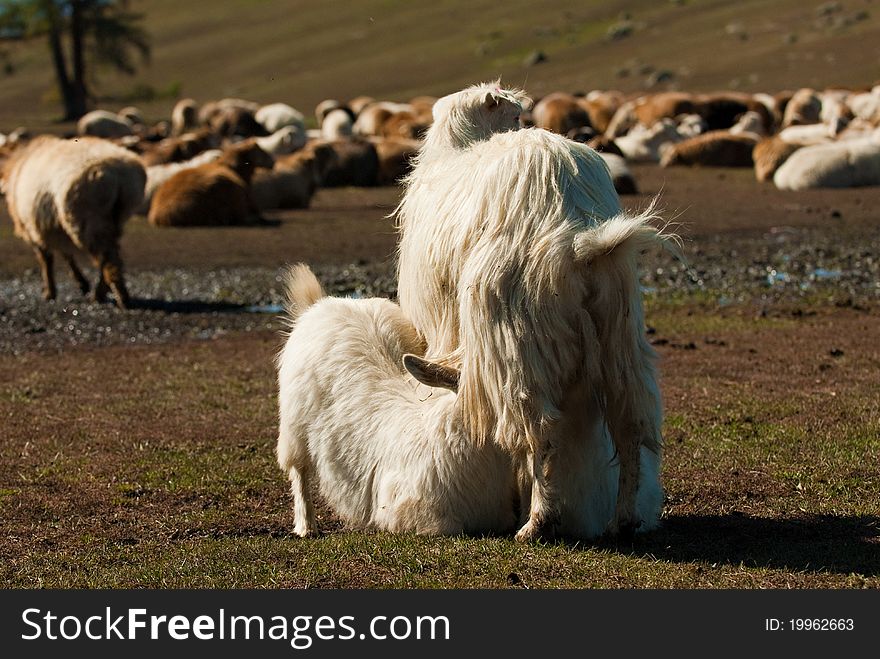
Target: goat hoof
{"x": 623, "y": 530}
{"x": 306, "y": 533}
{"x": 534, "y": 531}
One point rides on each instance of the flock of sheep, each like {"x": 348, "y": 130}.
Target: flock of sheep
{"x": 228, "y": 161}
{"x": 514, "y": 380}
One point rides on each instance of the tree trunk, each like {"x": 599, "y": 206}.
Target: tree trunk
{"x": 77, "y": 34}
{"x": 74, "y": 103}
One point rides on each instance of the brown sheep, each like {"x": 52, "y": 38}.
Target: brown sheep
{"x": 290, "y": 184}
{"x": 236, "y": 122}
{"x": 345, "y": 162}
{"x": 359, "y": 103}
{"x": 604, "y": 144}
{"x": 74, "y": 195}
{"x": 769, "y": 154}
{"x": 721, "y": 110}
{"x": 804, "y": 107}
{"x": 179, "y": 149}
{"x": 600, "y": 107}
{"x": 211, "y": 194}
{"x": 649, "y": 110}
{"x": 395, "y": 159}
{"x": 560, "y": 113}
{"x": 718, "y": 148}
{"x": 406, "y": 125}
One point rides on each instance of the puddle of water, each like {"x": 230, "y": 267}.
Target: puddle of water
{"x": 822, "y": 273}
{"x": 264, "y": 308}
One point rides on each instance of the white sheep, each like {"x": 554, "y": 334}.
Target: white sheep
{"x": 390, "y": 454}
{"x": 101, "y": 123}
{"x": 845, "y": 164}
{"x": 70, "y": 195}
{"x": 386, "y": 454}
{"x": 337, "y": 125}
{"x": 646, "y": 143}
{"x": 283, "y": 141}
{"x": 275, "y": 116}
{"x": 517, "y": 262}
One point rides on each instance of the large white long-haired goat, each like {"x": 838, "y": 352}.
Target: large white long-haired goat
{"x": 515, "y": 255}
{"x": 389, "y": 454}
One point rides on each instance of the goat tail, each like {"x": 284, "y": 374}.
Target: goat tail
{"x": 302, "y": 291}
{"x": 623, "y": 236}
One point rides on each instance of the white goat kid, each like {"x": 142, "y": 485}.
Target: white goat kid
{"x": 517, "y": 262}
{"x": 386, "y": 453}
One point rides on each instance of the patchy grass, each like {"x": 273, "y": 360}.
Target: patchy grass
{"x": 147, "y": 467}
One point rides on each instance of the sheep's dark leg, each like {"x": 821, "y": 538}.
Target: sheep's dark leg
{"x": 81, "y": 281}
{"x": 110, "y": 278}
{"x": 46, "y": 261}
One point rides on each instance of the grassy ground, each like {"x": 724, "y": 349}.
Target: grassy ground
{"x": 304, "y": 52}
{"x": 153, "y": 467}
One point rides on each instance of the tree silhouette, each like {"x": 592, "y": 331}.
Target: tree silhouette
{"x": 79, "y": 33}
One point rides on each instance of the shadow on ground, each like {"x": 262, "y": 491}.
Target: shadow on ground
{"x": 815, "y": 543}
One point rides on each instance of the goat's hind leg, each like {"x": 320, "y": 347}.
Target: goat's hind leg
{"x": 303, "y": 508}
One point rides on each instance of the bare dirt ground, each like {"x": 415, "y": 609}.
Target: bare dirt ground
{"x": 137, "y": 447}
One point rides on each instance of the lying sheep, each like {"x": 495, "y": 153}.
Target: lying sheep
{"x": 179, "y": 149}
{"x": 853, "y": 163}
{"x": 645, "y": 144}
{"x": 158, "y": 174}
{"x": 717, "y": 148}
{"x": 212, "y": 194}
{"x": 560, "y": 113}
{"x": 345, "y": 162}
{"x": 621, "y": 175}
{"x": 70, "y": 195}
{"x": 275, "y": 116}
{"x": 396, "y": 157}
{"x": 387, "y": 453}
{"x": 325, "y": 107}
{"x": 337, "y": 124}
{"x": 283, "y": 141}
{"x": 770, "y": 153}
{"x": 101, "y": 123}
{"x": 804, "y": 107}
{"x": 184, "y": 116}
{"x": 290, "y": 184}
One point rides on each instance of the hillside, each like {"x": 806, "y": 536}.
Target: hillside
{"x": 302, "y": 51}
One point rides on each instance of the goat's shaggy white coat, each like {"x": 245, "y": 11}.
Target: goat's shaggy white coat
{"x": 391, "y": 454}
{"x": 517, "y": 262}
{"x": 386, "y": 453}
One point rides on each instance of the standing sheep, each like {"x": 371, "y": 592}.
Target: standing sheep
{"x": 69, "y": 195}
{"x": 517, "y": 262}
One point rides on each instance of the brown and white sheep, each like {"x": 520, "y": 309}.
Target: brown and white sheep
{"x": 211, "y": 194}
{"x": 345, "y": 162}
{"x": 184, "y": 116}
{"x": 72, "y": 195}
{"x": 101, "y": 123}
